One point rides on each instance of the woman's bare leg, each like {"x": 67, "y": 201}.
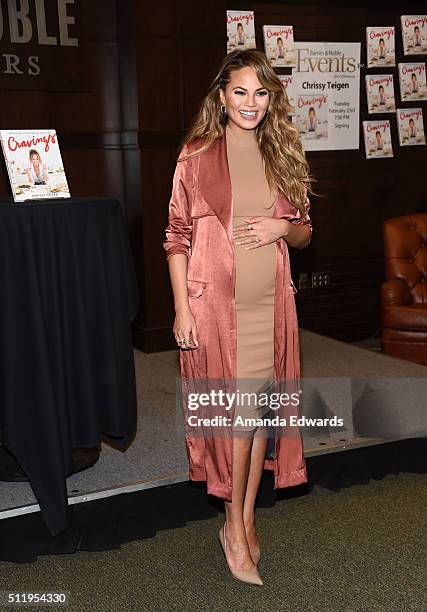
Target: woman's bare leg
{"x": 238, "y": 552}
{"x": 259, "y": 447}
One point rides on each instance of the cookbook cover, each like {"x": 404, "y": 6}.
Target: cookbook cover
{"x": 311, "y": 115}
{"x": 240, "y": 30}
{"x": 412, "y": 79}
{"x": 411, "y": 126}
{"x": 279, "y": 45}
{"x": 380, "y": 93}
{"x": 287, "y": 81}
{"x": 414, "y": 34}
{"x": 377, "y": 136}
{"x": 380, "y": 47}
{"x": 34, "y": 164}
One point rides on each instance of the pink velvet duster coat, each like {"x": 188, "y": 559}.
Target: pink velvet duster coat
{"x": 200, "y": 226}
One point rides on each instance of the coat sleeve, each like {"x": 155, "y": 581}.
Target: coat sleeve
{"x": 179, "y": 229}
{"x": 303, "y": 219}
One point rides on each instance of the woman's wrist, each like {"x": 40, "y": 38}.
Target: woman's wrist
{"x": 182, "y": 307}
{"x": 286, "y": 228}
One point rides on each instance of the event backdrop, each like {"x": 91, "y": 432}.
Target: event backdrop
{"x": 121, "y": 80}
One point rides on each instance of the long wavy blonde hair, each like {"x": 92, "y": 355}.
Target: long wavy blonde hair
{"x": 286, "y": 167}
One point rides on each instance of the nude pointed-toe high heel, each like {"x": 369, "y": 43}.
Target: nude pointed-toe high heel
{"x": 256, "y": 557}
{"x": 249, "y": 576}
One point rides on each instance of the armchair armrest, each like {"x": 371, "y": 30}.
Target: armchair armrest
{"x": 395, "y": 292}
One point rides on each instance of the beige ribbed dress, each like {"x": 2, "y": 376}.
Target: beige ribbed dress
{"x": 255, "y": 269}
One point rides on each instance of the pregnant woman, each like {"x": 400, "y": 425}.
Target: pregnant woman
{"x": 239, "y": 199}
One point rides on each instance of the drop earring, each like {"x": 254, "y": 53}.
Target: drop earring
{"x": 223, "y": 110}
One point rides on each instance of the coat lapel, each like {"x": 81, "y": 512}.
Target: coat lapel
{"x": 215, "y": 183}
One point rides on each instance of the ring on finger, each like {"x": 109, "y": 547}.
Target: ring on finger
{"x": 257, "y": 239}
{"x": 250, "y": 226}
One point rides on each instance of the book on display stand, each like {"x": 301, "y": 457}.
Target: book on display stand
{"x": 34, "y": 165}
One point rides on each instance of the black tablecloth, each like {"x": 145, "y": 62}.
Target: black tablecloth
{"x": 68, "y": 296}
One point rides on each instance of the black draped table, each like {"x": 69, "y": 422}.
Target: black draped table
{"x": 68, "y": 296}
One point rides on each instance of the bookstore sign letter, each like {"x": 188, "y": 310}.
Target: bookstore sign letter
{"x": 36, "y": 38}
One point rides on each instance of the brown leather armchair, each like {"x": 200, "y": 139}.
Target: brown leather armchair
{"x": 404, "y": 293}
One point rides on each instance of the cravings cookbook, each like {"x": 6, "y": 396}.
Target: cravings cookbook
{"x": 380, "y": 46}
{"x": 414, "y": 34}
{"x": 240, "y": 30}
{"x": 377, "y": 139}
{"x": 34, "y": 164}
{"x": 412, "y": 79}
{"x": 279, "y": 45}
{"x": 380, "y": 93}
{"x": 411, "y": 126}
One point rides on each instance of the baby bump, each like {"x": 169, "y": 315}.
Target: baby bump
{"x": 255, "y": 274}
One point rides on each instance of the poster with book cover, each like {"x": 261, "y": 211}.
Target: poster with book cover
{"x": 380, "y": 47}
{"x": 414, "y": 34}
{"x": 279, "y": 45}
{"x": 312, "y": 114}
{"x": 240, "y": 30}
{"x": 380, "y": 93}
{"x": 326, "y": 83}
{"x": 34, "y": 164}
{"x": 287, "y": 81}
{"x": 412, "y": 79}
{"x": 411, "y": 126}
{"x": 377, "y": 139}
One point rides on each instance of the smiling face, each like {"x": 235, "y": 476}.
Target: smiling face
{"x": 34, "y": 158}
{"x": 245, "y": 99}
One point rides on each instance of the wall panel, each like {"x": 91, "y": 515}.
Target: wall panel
{"x": 133, "y": 89}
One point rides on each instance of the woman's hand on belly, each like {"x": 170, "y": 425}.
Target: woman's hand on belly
{"x": 259, "y": 231}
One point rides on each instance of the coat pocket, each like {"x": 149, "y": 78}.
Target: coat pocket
{"x": 195, "y": 288}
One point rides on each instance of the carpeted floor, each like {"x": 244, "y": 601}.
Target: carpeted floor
{"x": 357, "y": 550}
